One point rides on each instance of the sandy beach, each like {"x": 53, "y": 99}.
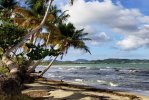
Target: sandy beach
{"x": 59, "y": 90}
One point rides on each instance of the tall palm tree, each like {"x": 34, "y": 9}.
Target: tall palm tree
{"x": 21, "y": 15}
{"x": 70, "y": 37}
{"x": 51, "y": 39}
{"x": 33, "y": 20}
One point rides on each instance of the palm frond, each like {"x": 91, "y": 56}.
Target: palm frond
{"x": 37, "y": 7}
{"x": 85, "y": 39}
{"x": 30, "y": 23}
{"x": 72, "y": 38}
{"x": 23, "y": 12}
{"x": 81, "y": 45}
{"x": 50, "y": 17}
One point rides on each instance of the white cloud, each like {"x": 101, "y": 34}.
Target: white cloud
{"x": 130, "y": 42}
{"x": 99, "y": 38}
{"x": 136, "y": 39}
{"x": 125, "y": 21}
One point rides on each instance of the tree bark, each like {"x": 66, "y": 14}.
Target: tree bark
{"x": 45, "y": 70}
{"x": 12, "y": 66}
{"x": 34, "y": 66}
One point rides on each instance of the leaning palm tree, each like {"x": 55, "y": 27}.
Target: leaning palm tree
{"x": 26, "y": 19}
{"x": 50, "y": 40}
{"x": 33, "y": 22}
{"x": 70, "y": 37}
{"x": 20, "y": 15}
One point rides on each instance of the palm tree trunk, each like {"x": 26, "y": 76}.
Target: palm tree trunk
{"x": 45, "y": 70}
{"x": 34, "y": 66}
{"x": 13, "y": 67}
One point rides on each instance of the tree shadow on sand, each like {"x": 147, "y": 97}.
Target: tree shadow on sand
{"x": 75, "y": 96}
{"x": 57, "y": 90}
{"x": 78, "y": 96}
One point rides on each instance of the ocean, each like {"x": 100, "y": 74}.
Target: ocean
{"x": 121, "y": 77}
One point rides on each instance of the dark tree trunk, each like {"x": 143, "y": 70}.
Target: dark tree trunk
{"x": 10, "y": 85}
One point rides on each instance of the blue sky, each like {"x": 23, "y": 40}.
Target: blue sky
{"x": 118, "y": 28}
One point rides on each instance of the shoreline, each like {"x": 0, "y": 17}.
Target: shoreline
{"x": 60, "y": 90}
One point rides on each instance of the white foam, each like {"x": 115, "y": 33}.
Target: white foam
{"x": 108, "y": 67}
{"x": 51, "y": 75}
{"x": 101, "y": 82}
{"x": 60, "y": 68}
{"x": 79, "y": 80}
{"x": 132, "y": 71}
{"x": 107, "y": 83}
{"x": 113, "y": 84}
{"x": 71, "y": 69}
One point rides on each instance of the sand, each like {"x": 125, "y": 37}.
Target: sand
{"x": 58, "y": 90}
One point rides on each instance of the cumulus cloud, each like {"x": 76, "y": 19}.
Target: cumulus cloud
{"x": 130, "y": 23}
{"x": 136, "y": 39}
{"x": 97, "y": 39}
{"x": 131, "y": 42}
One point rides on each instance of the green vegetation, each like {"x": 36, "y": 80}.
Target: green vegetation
{"x": 10, "y": 35}
{"x": 3, "y": 70}
{"x": 105, "y": 61}
{"x": 119, "y": 61}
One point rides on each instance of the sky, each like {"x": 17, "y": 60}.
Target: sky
{"x": 118, "y": 28}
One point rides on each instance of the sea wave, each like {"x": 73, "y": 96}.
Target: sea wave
{"x": 79, "y": 80}
{"x": 102, "y": 82}
{"x": 71, "y": 69}
{"x": 51, "y": 75}
{"x": 113, "y": 84}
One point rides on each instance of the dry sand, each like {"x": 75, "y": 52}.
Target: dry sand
{"x": 57, "y": 90}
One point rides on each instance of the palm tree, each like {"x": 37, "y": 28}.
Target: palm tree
{"x": 51, "y": 39}
{"x": 21, "y": 15}
{"x": 70, "y": 37}
{"x": 33, "y": 21}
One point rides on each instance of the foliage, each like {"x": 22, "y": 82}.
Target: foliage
{"x": 119, "y": 61}
{"x": 71, "y": 37}
{"x": 14, "y": 23}
{"x": 38, "y": 52}
{"x": 20, "y": 19}
{"x": 37, "y": 7}
{"x": 3, "y": 70}
{"x": 10, "y": 35}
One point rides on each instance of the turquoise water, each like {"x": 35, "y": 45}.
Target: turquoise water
{"x": 126, "y": 77}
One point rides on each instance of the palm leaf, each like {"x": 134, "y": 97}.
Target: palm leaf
{"x": 23, "y": 12}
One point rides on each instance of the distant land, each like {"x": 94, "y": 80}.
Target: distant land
{"x": 105, "y": 61}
